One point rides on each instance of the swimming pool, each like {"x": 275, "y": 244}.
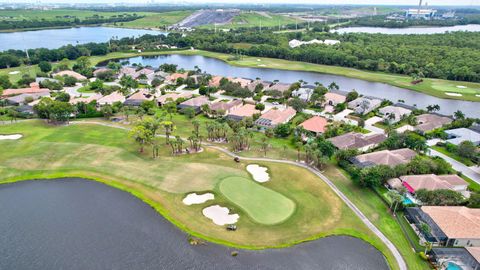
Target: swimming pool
{"x": 453, "y": 266}
{"x": 407, "y": 200}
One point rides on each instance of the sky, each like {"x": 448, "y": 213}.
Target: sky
{"x": 369, "y": 2}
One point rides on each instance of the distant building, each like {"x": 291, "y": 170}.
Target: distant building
{"x": 112, "y": 98}
{"x": 304, "y": 93}
{"x": 432, "y": 182}
{"x": 70, "y": 73}
{"x": 416, "y": 13}
{"x": 222, "y": 108}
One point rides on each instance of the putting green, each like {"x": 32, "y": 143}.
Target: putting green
{"x": 263, "y": 205}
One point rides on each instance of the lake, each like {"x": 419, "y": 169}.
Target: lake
{"x": 80, "y": 224}
{"x": 56, "y": 38}
{"x": 410, "y": 30}
{"x": 381, "y": 90}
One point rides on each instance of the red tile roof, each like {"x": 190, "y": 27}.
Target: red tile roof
{"x": 315, "y": 124}
{"x": 33, "y": 89}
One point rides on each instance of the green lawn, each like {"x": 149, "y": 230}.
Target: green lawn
{"x": 255, "y": 19}
{"x": 107, "y": 154}
{"x": 263, "y": 205}
{"x": 458, "y": 158}
{"x": 158, "y": 20}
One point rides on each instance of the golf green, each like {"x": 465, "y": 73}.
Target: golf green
{"x": 263, "y": 205}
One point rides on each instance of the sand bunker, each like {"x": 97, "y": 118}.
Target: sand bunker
{"x": 11, "y": 137}
{"x": 477, "y": 95}
{"x": 220, "y": 215}
{"x": 461, "y": 86}
{"x": 13, "y": 72}
{"x": 194, "y": 198}
{"x": 453, "y": 94}
{"x": 259, "y": 173}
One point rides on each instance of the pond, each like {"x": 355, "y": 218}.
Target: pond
{"x": 381, "y": 90}
{"x": 79, "y": 224}
{"x": 56, "y": 38}
{"x": 410, "y": 30}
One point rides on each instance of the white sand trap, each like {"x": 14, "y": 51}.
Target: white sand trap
{"x": 194, "y": 198}
{"x": 453, "y": 94}
{"x": 11, "y": 137}
{"x": 14, "y": 72}
{"x": 477, "y": 95}
{"x": 219, "y": 215}
{"x": 259, "y": 173}
{"x": 461, "y": 86}
{"x": 262, "y": 65}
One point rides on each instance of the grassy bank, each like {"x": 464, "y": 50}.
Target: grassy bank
{"x": 107, "y": 154}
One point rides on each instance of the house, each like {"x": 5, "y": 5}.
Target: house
{"x": 244, "y": 82}
{"x": 85, "y": 100}
{"x": 241, "y": 112}
{"x": 331, "y": 42}
{"x": 394, "y": 114}
{"x": 112, "y": 98}
{"x": 361, "y": 142}
{"x": 304, "y": 93}
{"x": 127, "y": 71}
{"x": 138, "y": 98}
{"x": 171, "y": 97}
{"x": 450, "y": 226}
{"x": 101, "y": 70}
{"x": 459, "y": 135}
{"x": 385, "y": 157}
{"x": 468, "y": 257}
{"x": 316, "y": 125}
{"x": 40, "y": 80}
{"x": 70, "y": 73}
{"x": 254, "y": 84}
{"x": 297, "y": 43}
{"x": 20, "y": 99}
{"x": 275, "y": 116}
{"x": 172, "y": 78}
{"x": 280, "y": 87}
{"x": 432, "y": 182}
{"x": 215, "y": 81}
{"x": 333, "y": 98}
{"x": 364, "y": 105}
{"x": 33, "y": 89}
{"x": 222, "y": 108}
{"x": 195, "y": 103}
{"x": 428, "y": 122}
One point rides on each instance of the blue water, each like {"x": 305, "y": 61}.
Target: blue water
{"x": 407, "y": 200}
{"x": 453, "y": 266}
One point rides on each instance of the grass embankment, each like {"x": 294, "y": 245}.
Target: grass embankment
{"x": 378, "y": 213}
{"x": 254, "y": 19}
{"x": 458, "y": 158}
{"x": 157, "y": 20}
{"x": 106, "y": 153}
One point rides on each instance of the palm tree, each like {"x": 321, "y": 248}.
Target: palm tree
{"x": 396, "y": 199}
{"x": 169, "y": 127}
{"x": 264, "y": 145}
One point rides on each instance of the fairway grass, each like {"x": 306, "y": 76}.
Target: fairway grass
{"x": 108, "y": 155}
{"x": 263, "y": 205}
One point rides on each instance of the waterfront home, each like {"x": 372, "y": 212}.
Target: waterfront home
{"x": 428, "y": 122}
{"x": 241, "y": 112}
{"x": 215, "y": 81}
{"x": 354, "y": 140}
{"x": 223, "y": 108}
{"x": 111, "y": 98}
{"x": 280, "y": 87}
{"x": 304, "y": 93}
{"x": 364, "y": 105}
{"x": 453, "y": 258}
{"x": 138, "y": 98}
{"x": 85, "y": 100}
{"x": 244, "y": 82}
{"x": 432, "y": 182}
{"x": 194, "y": 103}
{"x": 172, "y": 97}
{"x": 172, "y": 78}
{"x": 22, "y": 98}
{"x": 459, "y": 135}
{"x": 333, "y": 98}
{"x": 33, "y": 89}
{"x": 254, "y": 84}
{"x": 275, "y": 116}
{"x": 70, "y": 73}
{"x": 394, "y": 114}
{"x": 316, "y": 125}
{"x": 386, "y": 157}
{"x": 450, "y": 226}
{"x": 101, "y": 70}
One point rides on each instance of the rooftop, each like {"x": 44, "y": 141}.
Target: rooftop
{"x": 315, "y": 124}
{"x": 458, "y": 222}
{"x": 71, "y": 73}
{"x": 432, "y": 182}
{"x": 386, "y": 157}
{"x": 427, "y": 122}
{"x": 196, "y": 102}
{"x": 353, "y": 140}
{"x": 247, "y": 110}
{"x": 33, "y": 89}
{"x": 225, "y": 106}
{"x": 276, "y": 116}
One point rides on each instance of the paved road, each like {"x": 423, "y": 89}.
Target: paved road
{"x": 398, "y": 257}
{"x": 458, "y": 166}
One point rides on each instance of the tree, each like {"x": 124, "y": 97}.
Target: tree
{"x": 107, "y": 111}
{"x": 65, "y": 97}
{"x": 474, "y": 200}
{"x": 141, "y": 135}
{"x": 189, "y": 112}
{"x": 69, "y": 81}
{"x": 459, "y": 115}
{"x": 333, "y": 86}
{"x": 169, "y": 127}
{"x": 283, "y": 130}
{"x": 442, "y": 197}
{"x": 45, "y": 66}
{"x": 352, "y": 95}
{"x": 5, "y": 82}
{"x": 297, "y": 104}
{"x": 260, "y": 106}
{"x": 264, "y": 145}
{"x": 467, "y": 149}
{"x": 396, "y": 199}
{"x": 128, "y": 83}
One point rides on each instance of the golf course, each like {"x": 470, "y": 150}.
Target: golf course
{"x": 284, "y": 211}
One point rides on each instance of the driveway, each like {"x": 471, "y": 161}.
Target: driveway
{"x": 458, "y": 166}
{"x": 73, "y": 91}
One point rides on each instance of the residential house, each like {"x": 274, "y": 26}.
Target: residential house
{"x": 111, "y": 98}
{"x": 304, "y": 93}
{"x": 215, "y": 81}
{"x": 171, "y": 97}
{"x": 222, "y": 108}
{"x": 333, "y": 98}
{"x": 70, "y": 73}
{"x": 244, "y": 82}
{"x": 459, "y": 135}
{"x": 101, "y": 70}
{"x": 280, "y": 87}
{"x": 85, "y": 100}
{"x": 275, "y": 116}
{"x": 432, "y": 182}
{"x": 33, "y": 89}
{"x": 127, "y": 71}
{"x": 450, "y": 226}
{"x": 468, "y": 257}
{"x": 241, "y": 112}
{"x": 138, "y": 98}
{"x": 386, "y": 157}
{"x": 428, "y": 122}
{"x": 254, "y": 84}
{"x": 364, "y": 105}
{"x": 194, "y": 103}
{"x": 316, "y": 125}
{"x": 361, "y": 142}
{"x": 172, "y": 78}
{"x": 20, "y": 99}
{"x": 40, "y": 80}
{"x": 394, "y": 114}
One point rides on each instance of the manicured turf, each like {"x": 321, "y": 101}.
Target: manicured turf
{"x": 157, "y": 20}
{"x": 263, "y": 205}
{"x": 108, "y": 154}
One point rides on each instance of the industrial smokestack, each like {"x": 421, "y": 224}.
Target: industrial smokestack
{"x": 419, "y": 7}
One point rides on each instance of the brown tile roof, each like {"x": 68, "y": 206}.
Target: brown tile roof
{"x": 427, "y": 122}
{"x": 282, "y": 87}
{"x": 215, "y": 81}
{"x": 112, "y": 98}
{"x": 433, "y": 182}
{"x": 277, "y": 116}
{"x": 141, "y": 94}
{"x": 475, "y": 252}
{"x": 33, "y": 89}
{"x": 242, "y": 81}
{"x": 196, "y": 102}
{"x": 225, "y": 106}
{"x": 387, "y": 157}
{"x": 85, "y": 99}
{"x": 315, "y": 124}
{"x": 335, "y": 97}
{"x": 247, "y": 110}
{"x": 458, "y": 222}
{"x": 353, "y": 140}
{"x": 173, "y": 96}
{"x": 71, "y": 73}
{"x": 174, "y": 76}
